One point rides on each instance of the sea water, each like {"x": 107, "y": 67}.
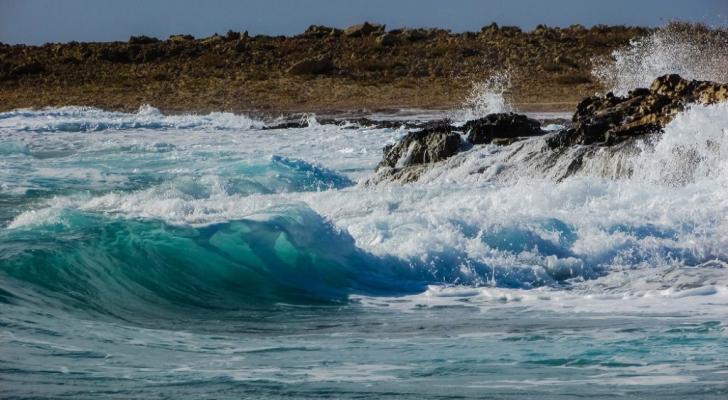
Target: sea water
{"x": 154, "y": 256}
{"x": 144, "y": 255}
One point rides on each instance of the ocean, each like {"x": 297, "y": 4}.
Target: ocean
{"x": 154, "y": 256}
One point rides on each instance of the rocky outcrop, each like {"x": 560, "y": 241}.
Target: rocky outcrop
{"x": 409, "y": 158}
{"x": 612, "y": 119}
{"x": 508, "y": 126}
{"x": 365, "y": 29}
{"x": 142, "y": 40}
{"x": 319, "y": 31}
{"x": 425, "y": 146}
{"x": 601, "y": 125}
{"x": 440, "y": 140}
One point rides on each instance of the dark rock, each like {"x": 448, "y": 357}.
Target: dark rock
{"x": 439, "y": 140}
{"x": 510, "y": 30}
{"x": 490, "y": 29}
{"x": 387, "y": 39}
{"x": 421, "y": 147}
{"x": 232, "y": 35}
{"x": 312, "y": 66}
{"x": 560, "y": 139}
{"x": 319, "y": 31}
{"x": 612, "y": 119}
{"x": 501, "y": 126}
{"x": 365, "y": 29}
{"x": 704, "y": 92}
{"x": 542, "y": 30}
{"x": 142, "y": 40}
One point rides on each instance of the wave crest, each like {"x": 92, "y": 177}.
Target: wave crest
{"x": 89, "y": 119}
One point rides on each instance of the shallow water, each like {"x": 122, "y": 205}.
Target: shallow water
{"x": 144, "y": 255}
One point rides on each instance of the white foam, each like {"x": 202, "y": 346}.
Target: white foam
{"x": 486, "y": 97}
{"x": 515, "y": 223}
{"x": 582, "y": 298}
{"x": 693, "y": 148}
{"x": 89, "y": 119}
{"x": 669, "y": 50}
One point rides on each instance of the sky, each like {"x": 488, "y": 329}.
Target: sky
{"x": 41, "y": 21}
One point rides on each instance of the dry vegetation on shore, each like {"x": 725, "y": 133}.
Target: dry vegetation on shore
{"x": 321, "y": 69}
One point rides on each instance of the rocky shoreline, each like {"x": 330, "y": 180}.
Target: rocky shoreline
{"x": 363, "y": 67}
{"x": 599, "y": 122}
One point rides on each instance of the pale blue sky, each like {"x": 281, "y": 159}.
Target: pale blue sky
{"x": 40, "y": 21}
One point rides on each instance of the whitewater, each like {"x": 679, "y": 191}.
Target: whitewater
{"x": 145, "y": 255}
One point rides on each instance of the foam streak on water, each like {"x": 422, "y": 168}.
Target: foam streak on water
{"x": 204, "y": 257}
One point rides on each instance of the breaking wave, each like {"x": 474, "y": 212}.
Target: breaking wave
{"x": 304, "y": 232}
{"x": 692, "y": 51}
{"x": 486, "y": 97}
{"x": 212, "y": 224}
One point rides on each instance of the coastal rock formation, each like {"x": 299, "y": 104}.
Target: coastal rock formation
{"x": 612, "y": 119}
{"x": 143, "y": 40}
{"x": 440, "y": 140}
{"x": 319, "y": 31}
{"x": 507, "y": 126}
{"x": 425, "y": 146}
{"x": 600, "y": 122}
{"x": 365, "y": 29}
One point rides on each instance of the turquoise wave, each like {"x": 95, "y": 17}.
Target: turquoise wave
{"x": 282, "y": 174}
{"x": 121, "y": 267}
